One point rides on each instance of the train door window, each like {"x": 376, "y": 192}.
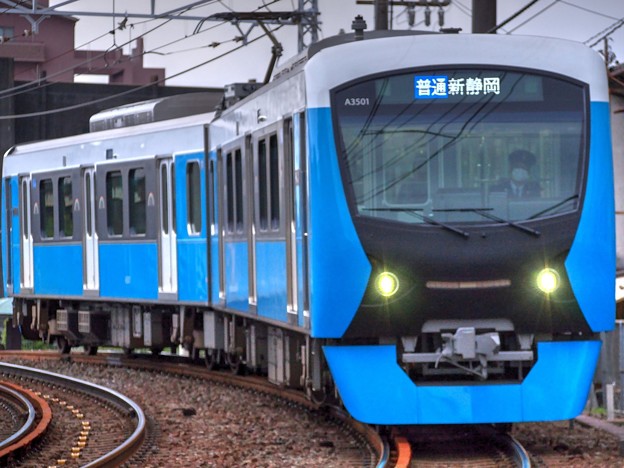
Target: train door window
{"x": 238, "y": 174}
{"x": 164, "y": 193}
{"x": 211, "y": 197}
{"x": 193, "y": 198}
{"x": 269, "y": 184}
{"x": 25, "y": 232}
{"x": 274, "y": 182}
{"x": 88, "y": 207}
{"x": 229, "y": 183}
{"x": 173, "y": 199}
{"x": 136, "y": 186}
{"x": 46, "y": 208}
{"x": 263, "y": 211}
{"x": 114, "y": 203}
{"x": 66, "y": 205}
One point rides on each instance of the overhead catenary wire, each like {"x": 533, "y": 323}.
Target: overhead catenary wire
{"x": 48, "y": 80}
{"x": 597, "y": 38}
{"x": 543, "y": 10}
{"x": 130, "y": 91}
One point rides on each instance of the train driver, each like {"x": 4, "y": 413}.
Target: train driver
{"x": 519, "y": 184}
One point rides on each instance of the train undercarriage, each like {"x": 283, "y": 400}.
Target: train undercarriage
{"x": 223, "y": 340}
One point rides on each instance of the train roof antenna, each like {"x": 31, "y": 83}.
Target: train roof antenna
{"x": 359, "y": 25}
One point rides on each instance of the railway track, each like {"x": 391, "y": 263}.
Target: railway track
{"x": 70, "y": 438}
{"x": 466, "y": 446}
{"x": 368, "y": 449}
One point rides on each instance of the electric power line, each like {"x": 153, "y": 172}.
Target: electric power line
{"x": 605, "y": 32}
{"x": 129, "y": 91}
{"x": 534, "y": 16}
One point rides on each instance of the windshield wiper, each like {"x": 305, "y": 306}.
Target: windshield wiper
{"x": 414, "y": 212}
{"x": 555, "y": 206}
{"x": 484, "y": 212}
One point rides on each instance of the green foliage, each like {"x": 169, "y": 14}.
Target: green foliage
{"x": 3, "y": 338}
{"x": 29, "y": 345}
{"x": 600, "y": 411}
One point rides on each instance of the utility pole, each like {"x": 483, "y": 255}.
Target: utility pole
{"x": 483, "y": 16}
{"x": 308, "y": 27}
{"x": 381, "y": 15}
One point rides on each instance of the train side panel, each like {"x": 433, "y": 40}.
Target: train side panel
{"x": 591, "y": 261}
{"x": 123, "y": 273}
{"x": 58, "y": 269}
{"x": 339, "y": 268}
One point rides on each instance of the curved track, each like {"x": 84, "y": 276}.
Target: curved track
{"x": 123, "y": 406}
{"x": 466, "y": 446}
{"x": 172, "y": 364}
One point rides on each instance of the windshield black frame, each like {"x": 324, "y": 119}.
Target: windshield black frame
{"x": 456, "y": 207}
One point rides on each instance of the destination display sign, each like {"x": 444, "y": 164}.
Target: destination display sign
{"x": 443, "y": 87}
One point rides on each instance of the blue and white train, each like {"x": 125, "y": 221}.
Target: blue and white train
{"x": 420, "y": 224}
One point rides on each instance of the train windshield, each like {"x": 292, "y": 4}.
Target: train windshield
{"x": 461, "y": 146}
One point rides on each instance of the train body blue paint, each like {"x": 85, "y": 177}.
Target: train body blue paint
{"x": 419, "y": 223}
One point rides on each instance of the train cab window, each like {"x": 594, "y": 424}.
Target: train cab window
{"x": 46, "y": 208}
{"x": 193, "y": 198}
{"x": 66, "y": 207}
{"x": 114, "y": 203}
{"x": 137, "y": 198}
{"x": 462, "y": 145}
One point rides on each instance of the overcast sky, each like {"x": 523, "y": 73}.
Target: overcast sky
{"x": 577, "y": 20}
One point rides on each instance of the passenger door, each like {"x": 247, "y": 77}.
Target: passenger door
{"x": 91, "y": 282}
{"x": 27, "y": 269}
{"x": 168, "y": 275}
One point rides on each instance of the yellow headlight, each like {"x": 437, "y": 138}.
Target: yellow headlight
{"x": 387, "y": 284}
{"x": 548, "y": 280}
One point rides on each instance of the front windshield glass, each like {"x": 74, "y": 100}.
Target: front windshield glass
{"x": 458, "y": 145}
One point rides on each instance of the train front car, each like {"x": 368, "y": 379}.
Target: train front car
{"x": 461, "y": 225}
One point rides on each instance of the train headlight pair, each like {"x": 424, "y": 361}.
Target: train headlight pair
{"x": 548, "y": 280}
{"x": 387, "y": 284}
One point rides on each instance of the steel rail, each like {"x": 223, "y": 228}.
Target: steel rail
{"x": 124, "y": 451}
{"x": 376, "y": 442}
{"x": 22, "y": 402}
{"x": 517, "y": 451}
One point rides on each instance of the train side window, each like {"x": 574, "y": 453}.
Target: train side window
{"x": 66, "y": 205}
{"x": 263, "y": 186}
{"x": 46, "y": 210}
{"x": 114, "y": 203}
{"x": 193, "y": 198}
{"x": 136, "y": 187}
{"x": 238, "y": 187}
{"x": 274, "y": 182}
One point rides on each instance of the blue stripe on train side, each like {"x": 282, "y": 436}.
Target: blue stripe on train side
{"x": 192, "y": 271}
{"x": 591, "y": 262}
{"x": 129, "y": 270}
{"x": 375, "y": 390}
{"x": 58, "y": 269}
{"x": 339, "y": 267}
{"x": 271, "y": 279}
{"x": 236, "y": 275}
